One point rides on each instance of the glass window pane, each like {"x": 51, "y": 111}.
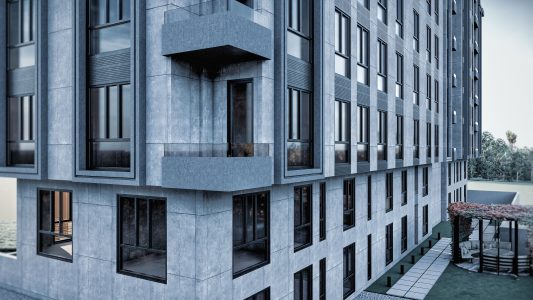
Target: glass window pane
{"x": 13, "y": 23}
{"x": 144, "y": 262}
{"x": 158, "y": 217}
{"x": 26, "y": 21}
{"x": 98, "y": 12}
{"x": 45, "y": 205}
{"x": 113, "y": 11}
{"x": 126, "y": 112}
{"x": 126, "y": 8}
{"x": 113, "y": 114}
{"x": 261, "y": 216}
{"x": 238, "y": 221}
{"x": 21, "y": 57}
{"x": 142, "y": 223}
{"x": 305, "y": 115}
{"x": 98, "y": 113}
{"x": 110, "y": 38}
{"x": 298, "y": 46}
{"x": 13, "y": 123}
{"x": 27, "y": 118}
{"x": 306, "y": 15}
{"x": 338, "y": 31}
{"x": 297, "y": 207}
{"x": 250, "y": 218}
{"x": 127, "y": 221}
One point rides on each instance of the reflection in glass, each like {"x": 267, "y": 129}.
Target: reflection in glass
{"x": 241, "y": 119}
{"x": 55, "y": 224}
{"x": 110, "y": 38}
{"x": 302, "y": 217}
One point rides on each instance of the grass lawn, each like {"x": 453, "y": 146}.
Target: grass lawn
{"x": 457, "y": 283}
{"x": 380, "y": 285}
{"x": 524, "y": 188}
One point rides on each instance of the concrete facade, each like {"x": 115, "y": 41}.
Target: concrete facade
{"x": 181, "y": 104}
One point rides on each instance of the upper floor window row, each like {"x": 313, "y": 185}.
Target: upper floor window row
{"x": 21, "y": 16}
{"x": 300, "y": 30}
{"x": 109, "y": 25}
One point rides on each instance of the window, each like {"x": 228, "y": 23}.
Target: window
{"x": 299, "y": 144}
{"x": 369, "y": 198}
{"x": 464, "y": 190}
{"x": 416, "y": 139}
{"x": 428, "y": 44}
{"x": 322, "y": 219}
{"x": 389, "y": 192}
{"x": 399, "y": 18}
{"x": 429, "y": 6}
{"x": 425, "y": 187}
{"x": 399, "y": 137}
{"x": 437, "y": 141}
{"x": 404, "y": 234}
{"x": 449, "y": 198}
{"x": 425, "y": 225}
{"x": 348, "y": 270}
{"x": 465, "y": 168}
{"x": 21, "y": 26}
{"x": 54, "y": 238}
{"x": 437, "y": 11}
{"x": 404, "y": 187}
{"x": 428, "y": 139}
{"x": 365, "y": 3}
{"x": 300, "y": 31}
{"x": 240, "y": 118}
{"x": 382, "y": 11}
{"x": 369, "y": 257}
{"x": 302, "y": 217}
{"x": 382, "y": 135}
{"x": 437, "y": 50}
{"x": 363, "y": 133}
{"x": 342, "y": 43}
{"x": 428, "y": 91}
{"x": 388, "y": 244}
{"x": 437, "y": 96}
{"x": 142, "y": 237}
{"x": 342, "y": 132}
{"x": 262, "y": 295}
{"x": 348, "y": 196}
{"x": 251, "y": 232}
{"x": 109, "y": 26}
{"x": 416, "y": 32}
{"x": 399, "y": 75}
{"x": 109, "y": 130}
{"x": 416, "y": 180}
{"x": 322, "y": 287}
{"x": 303, "y": 284}
{"x": 363, "y": 55}
{"x": 21, "y": 131}
{"x": 416, "y": 85}
{"x": 382, "y": 66}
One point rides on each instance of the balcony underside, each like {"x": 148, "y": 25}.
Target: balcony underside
{"x": 217, "y": 39}
{"x": 224, "y": 174}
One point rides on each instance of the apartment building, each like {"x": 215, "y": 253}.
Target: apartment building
{"x": 231, "y": 149}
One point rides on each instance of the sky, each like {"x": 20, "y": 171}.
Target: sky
{"x": 8, "y": 207}
{"x": 507, "y": 49}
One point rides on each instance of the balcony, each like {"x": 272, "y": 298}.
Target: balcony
{"x": 216, "y": 33}
{"x": 217, "y": 167}
{"x": 476, "y": 47}
{"x": 476, "y": 73}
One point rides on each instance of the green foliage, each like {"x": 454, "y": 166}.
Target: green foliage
{"x": 502, "y": 161}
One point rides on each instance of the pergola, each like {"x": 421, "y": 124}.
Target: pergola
{"x": 461, "y": 216}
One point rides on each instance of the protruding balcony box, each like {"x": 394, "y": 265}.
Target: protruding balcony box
{"x": 216, "y": 33}
{"x": 476, "y": 100}
{"x": 476, "y": 73}
{"x": 476, "y": 47}
{"x": 217, "y": 167}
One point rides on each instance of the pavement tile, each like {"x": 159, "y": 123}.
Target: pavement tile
{"x": 414, "y": 295}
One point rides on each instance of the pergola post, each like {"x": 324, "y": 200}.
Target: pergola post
{"x": 480, "y": 230}
{"x": 515, "y": 258}
{"x": 456, "y": 251}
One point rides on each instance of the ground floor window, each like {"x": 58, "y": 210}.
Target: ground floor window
{"x": 54, "y": 238}
{"x": 322, "y": 287}
{"x": 425, "y": 215}
{"x": 303, "y": 284}
{"x": 348, "y": 270}
{"x": 142, "y": 237}
{"x": 250, "y": 232}
{"x": 388, "y": 244}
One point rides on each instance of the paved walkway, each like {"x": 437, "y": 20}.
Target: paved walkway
{"x": 364, "y": 295}
{"x": 417, "y": 282}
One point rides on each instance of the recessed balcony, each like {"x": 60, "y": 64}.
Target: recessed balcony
{"x": 217, "y": 167}
{"x": 216, "y": 33}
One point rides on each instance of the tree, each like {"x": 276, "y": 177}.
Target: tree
{"x": 511, "y": 138}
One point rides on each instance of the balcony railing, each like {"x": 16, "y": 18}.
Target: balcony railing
{"x": 217, "y": 150}
{"x": 208, "y": 8}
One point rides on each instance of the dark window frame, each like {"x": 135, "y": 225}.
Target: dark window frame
{"x": 428, "y": 91}
{"x": 399, "y": 18}
{"x": 348, "y": 192}
{"x": 342, "y": 50}
{"x": 363, "y": 55}
{"x": 322, "y": 211}
{"x": 416, "y": 85}
{"x": 425, "y": 181}
{"x": 21, "y": 40}
{"x": 266, "y": 239}
{"x": 404, "y": 234}
{"x": 236, "y": 149}
{"x": 364, "y": 3}
{"x": 297, "y": 30}
{"x": 369, "y": 257}
{"x": 307, "y": 225}
{"x": 416, "y": 138}
{"x": 21, "y": 129}
{"x": 265, "y": 293}
{"x": 428, "y": 43}
{"x": 348, "y": 277}
{"x": 121, "y": 20}
{"x": 404, "y": 187}
{"x": 389, "y": 244}
{"x": 119, "y": 269}
{"x": 342, "y": 131}
{"x": 429, "y": 142}
{"x": 389, "y": 192}
{"x": 309, "y": 272}
{"x": 399, "y": 76}
{"x": 425, "y": 221}
{"x": 382, "y": 11}
{"x": 322, "y": 279}
{"x": 383, "y": 135}
{"x": 399, "y": 137}
{"x": 52, "y": 221}
{"x": 369, "y": 198}
{"x": 416, "y": 32}
{"x": 363, "y": 133}
{"x": 382, "y": 67}
{"x": 294, "y": 135}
